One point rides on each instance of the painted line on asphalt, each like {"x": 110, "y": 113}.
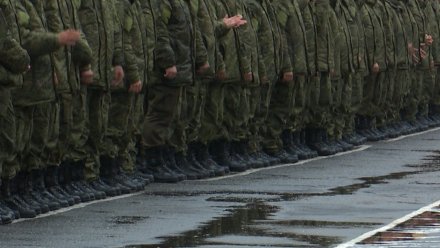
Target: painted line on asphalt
{"x": 393, "y": 224}
{"x": 411, "y": 135}
{"x": 252, "y": 171}
{"x": 77, "y": 206}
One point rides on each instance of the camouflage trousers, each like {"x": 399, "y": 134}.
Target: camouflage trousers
{"x": 119, "y": 135}
{"x": 280, "y": 110}
{"x": 73, "y": 128}
{"x": 259, "y": 110}
{"x": 164, "y": 107}
{"x": 7, "y": 136}
{"x": 212, "y": 120}
{"x": 236, "y": 111}
{"x": 98, "y": 104}
{"x": 414, "y": 96}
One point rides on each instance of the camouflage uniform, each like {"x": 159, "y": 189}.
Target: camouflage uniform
{"x": 118, "y": 135}
{"x": 101, "y": 26}
{"x": 13, "y": 61}
{"x": 68, "y": 63}
{"x": 376, "y": 51}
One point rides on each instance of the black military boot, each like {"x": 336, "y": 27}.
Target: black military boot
{"x": 125, "y": 178}
{"x": 205, "y": 159}
{"x": 170, "y": 162}
{"x": 257, "y": 159}
{"x": 77, "y": 169}
{"x": 318, "y": 144}
{"x": 174, "y": 162}
{"x": 271, "y": 160}
{"x": 40, "y": 193}
{"x": 191, "y": 157}
{"x": 24, "y": 185}
{"x": 7, "y": 215}
{"x": 156, "y": 166}
{"x": 108, "y": 174}
{"x": 186, "y": 167}
{"x": 141, "y": 163}
{"x": 53, "y": 187}
{"x": 221, "y": 151}
{"x": 10, "y": 198}
{"x": 67, "y": 179}
{"x": 289, "y": 146}
{"x": 295, "y": 140}
{"x": 300, "y": 139}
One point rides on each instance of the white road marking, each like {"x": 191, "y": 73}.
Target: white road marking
{"x": 251, "y": 171}
{"x": 411, "y": 135}
{"x": 390, "y": 226}
{"x": 77, "y": 206}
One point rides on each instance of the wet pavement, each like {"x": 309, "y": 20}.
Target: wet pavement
{"x": 325, "y": 202}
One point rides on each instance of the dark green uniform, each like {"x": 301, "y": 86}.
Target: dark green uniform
{"x": 101, "y": 25}
{"x": 212, "y": 119}
{"x": 193, "y": 96}
{"x": 342, "y": 78}
{"x": 13, "y": 61}
{"x": 119, "y": 136}
{"x": 237, "y": 58}
{"x": 68, "y": 63}
{"x": 33, "y": 100}
{"x": 376, "y": 52}
{"x": 175, "y": 46}
{"x": 325, "y": 65}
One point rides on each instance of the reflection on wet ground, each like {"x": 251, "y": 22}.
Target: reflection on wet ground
{"x": 416, "y": 232}
{"x": 242, "y": 225}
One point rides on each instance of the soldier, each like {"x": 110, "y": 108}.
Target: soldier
{"x": 352, "y": 13}
{"x": 175, "y": 66}
{"x": 321, "y": 113}
{"x": 400, "y": 64}
{"x": 431, "y": 31}
{"x": 235, "y": 51}
{"x": 34, "y": 109}
{"x": 373, "y": 88}
{"x": 341, "y": 79}
{"x": 311, "y": 91}
{"x": 101, "y": 26}
{"x": 207, "y": 99}
{"x": 183, "y": 142}
{"x": 14, "y": 61}
{"x": 434, "y": 110}
{"x": 120, "y": 169}
{"x": 73, "y": 69}
{"x": 273, "y": 51}
{"x": 282, "y": 102}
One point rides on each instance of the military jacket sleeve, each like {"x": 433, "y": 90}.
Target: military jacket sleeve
{"x": 35, "y": 39}
{"x": 164, "y": 54}
{"x": 12, "y": 56}
{"x": 118, "y": 55}
{"x": 201, "y": 53}
{"x": 125, "y": 15}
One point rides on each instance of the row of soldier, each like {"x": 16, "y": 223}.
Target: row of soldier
{"x": 101, "y": 97}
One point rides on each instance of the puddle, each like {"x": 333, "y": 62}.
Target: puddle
{"x": 242, "y": 223}
{"x": 237, "y": 222}
{"x": 128, "y": 220}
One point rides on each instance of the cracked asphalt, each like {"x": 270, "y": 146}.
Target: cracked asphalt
{"x": 324, "y": 202}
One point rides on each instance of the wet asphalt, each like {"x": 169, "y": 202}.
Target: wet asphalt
{"x": 320, "y": 203}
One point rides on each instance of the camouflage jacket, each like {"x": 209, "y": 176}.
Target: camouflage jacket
{"x": 68, "y": 61}
{"x": 101, "y": 26}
